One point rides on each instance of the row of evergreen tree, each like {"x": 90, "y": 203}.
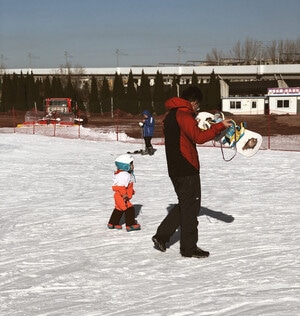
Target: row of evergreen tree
{"x": 25, "y": 92}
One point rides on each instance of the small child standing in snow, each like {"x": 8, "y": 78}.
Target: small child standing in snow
{"x": 123, "y": 180}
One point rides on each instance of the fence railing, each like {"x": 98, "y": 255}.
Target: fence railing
{"x": 280, "y": 132}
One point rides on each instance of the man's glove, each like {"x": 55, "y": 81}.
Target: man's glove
{"x": 141, "y": 124}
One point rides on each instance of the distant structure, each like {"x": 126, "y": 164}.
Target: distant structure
{"x": 236, "y": 80}
{"x": 289, "y": 71}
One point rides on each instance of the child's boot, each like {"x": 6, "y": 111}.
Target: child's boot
{"x": 131, "y": 223}
{"x": 136, "y": 226}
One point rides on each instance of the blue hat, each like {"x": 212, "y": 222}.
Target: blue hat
{"x": 146, "y": 112}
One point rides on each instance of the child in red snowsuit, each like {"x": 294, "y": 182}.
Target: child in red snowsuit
{"x": 123, "y": 180}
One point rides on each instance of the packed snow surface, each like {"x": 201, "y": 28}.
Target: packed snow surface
{"x": 59, "y": 258}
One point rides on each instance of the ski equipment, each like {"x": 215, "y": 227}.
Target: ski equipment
{"x": 142, "y": 152}
{"x": 236, "y": 137}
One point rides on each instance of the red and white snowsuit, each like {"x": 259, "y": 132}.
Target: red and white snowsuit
{"x": 123, "y": 188}
{"x": 123, "y": 192}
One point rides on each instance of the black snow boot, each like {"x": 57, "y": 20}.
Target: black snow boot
{"x": 159, "y": 244}
{"x": 199, "y": 253}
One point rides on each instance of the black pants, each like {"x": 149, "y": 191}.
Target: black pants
{"x": 184, "y": 214}
{"x": 117, "y": 215}
{"x": 148, "y": 141}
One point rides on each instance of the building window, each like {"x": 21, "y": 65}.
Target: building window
{"x": 235, "y": 104}
{"x": 283, "y": 103}
{"x": 253, "y": 104}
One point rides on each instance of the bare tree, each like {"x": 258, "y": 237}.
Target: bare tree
{"x": 272, "y": 52}
{"x": 291, "y": 50}
{"x": 237, "y": 52}
{"x": 254, "y": 51}
{"x": 215, "y": 56}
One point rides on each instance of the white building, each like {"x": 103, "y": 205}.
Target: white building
{"x": 284, "y": 100}
{"x": 280, "y": 101}
{"x": 244, "y": 105}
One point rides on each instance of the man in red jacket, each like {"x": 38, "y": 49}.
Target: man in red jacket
{"x": 181, "y": 136}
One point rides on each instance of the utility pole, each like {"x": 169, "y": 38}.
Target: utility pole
{"x": 30, "y": 57}
{"x": 66, "y": 55}
{"x": 2, "y": 58}
{"x": 118, "y": 53}
{"x": 68, "y": 66}
{"x": 180, "y": 50}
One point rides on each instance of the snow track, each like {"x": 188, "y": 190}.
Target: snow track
{"x": 58, "y": 257}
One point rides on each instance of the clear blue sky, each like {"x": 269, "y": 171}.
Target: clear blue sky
{"x": 145, "y": 32}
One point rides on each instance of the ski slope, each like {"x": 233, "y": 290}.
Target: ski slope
{"x": 58, "y": 258}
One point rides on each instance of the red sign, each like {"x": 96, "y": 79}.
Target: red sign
{"x": 284, "y": 90}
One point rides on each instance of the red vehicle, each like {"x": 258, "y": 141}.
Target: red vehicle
{"x": 56, "y": 111}
{"x": 60, "y": 105}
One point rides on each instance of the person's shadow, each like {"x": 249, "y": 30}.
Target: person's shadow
{"x": 217, "y": 215}
{"x": 203, "y": 211}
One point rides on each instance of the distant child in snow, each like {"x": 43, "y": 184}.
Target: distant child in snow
{"x": 123, "y": 180}
{"x": 148, "y": 126}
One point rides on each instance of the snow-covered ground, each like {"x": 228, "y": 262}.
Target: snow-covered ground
{"x": 58, "y": 257}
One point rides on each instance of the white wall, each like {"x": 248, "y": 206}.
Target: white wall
{"x": 292, "y": 102}
{"x": 283, "y": 69}
{"x": 246, "y": 105}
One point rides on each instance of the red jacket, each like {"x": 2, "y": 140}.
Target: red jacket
{"x": 181, "y": 136}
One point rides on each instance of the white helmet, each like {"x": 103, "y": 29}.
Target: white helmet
{"x": 123, "y": 162}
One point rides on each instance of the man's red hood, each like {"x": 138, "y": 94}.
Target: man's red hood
{"x": 175, "y": 103}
